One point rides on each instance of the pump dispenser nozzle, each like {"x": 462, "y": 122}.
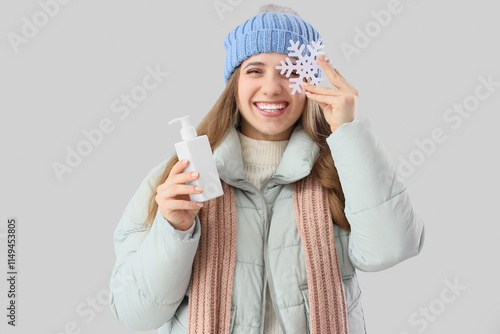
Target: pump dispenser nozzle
{"x": 188, "y": 131}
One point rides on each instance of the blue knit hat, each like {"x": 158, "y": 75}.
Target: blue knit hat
{"x": 265, "y": 32}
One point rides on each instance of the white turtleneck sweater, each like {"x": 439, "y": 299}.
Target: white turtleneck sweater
{"x": 260, "y": 160}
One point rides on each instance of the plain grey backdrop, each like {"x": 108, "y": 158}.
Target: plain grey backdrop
{"x": 429, "y": 79}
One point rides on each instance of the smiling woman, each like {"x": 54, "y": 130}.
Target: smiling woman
{"x": 310, "y": 196}
{"x": 268, "y": 109}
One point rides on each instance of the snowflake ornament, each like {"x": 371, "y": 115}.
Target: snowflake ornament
{"x": 306, "y": 65}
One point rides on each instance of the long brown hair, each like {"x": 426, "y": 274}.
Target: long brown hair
{"x": 224, "y": 115}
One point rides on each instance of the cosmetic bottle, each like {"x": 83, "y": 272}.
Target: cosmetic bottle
{"x": 198, "y": 152}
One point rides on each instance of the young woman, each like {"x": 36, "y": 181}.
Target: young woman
{"x": 310, "y": 196}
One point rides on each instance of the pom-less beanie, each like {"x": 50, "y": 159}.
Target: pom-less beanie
{"x": 265, "y": 32}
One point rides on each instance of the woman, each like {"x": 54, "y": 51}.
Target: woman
{"x": 309, "y": 197}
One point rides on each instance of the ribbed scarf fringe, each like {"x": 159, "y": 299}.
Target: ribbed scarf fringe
{"x": 213, "y": 268}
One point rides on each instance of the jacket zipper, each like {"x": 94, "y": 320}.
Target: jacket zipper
{"x": 266, "y": 263}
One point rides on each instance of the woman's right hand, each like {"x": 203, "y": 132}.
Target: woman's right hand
{"x": 173, "y": 197}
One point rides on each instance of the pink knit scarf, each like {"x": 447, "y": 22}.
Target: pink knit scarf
{"x": 213, "y": 268}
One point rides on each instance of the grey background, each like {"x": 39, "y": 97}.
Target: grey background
{"x": 66, "y": 77}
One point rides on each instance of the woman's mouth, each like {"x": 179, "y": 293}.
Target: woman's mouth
{"x": 271, "y": 109}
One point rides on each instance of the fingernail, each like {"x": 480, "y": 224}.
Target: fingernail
{"x": 184, "y": 161}
{"x": 200, "y": 205}
{"x": 198, "y": 188}
{"x": 194, "y": 174}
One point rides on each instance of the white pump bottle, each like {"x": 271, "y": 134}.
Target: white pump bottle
{"x": 198, "y": 152}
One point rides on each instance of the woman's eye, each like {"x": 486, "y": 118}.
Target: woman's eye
{"x": 253, "y": 71}
{"x": 294, "y": 73}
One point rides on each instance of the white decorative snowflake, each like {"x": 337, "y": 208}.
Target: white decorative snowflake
{"x": 306, "y": 65}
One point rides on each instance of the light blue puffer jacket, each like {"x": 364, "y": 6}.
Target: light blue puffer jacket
{"x": 150, "y": 280}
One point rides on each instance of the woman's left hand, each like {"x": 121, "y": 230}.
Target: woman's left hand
{"x": 340, "y": 105}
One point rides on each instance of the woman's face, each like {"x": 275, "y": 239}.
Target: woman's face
{"x": 268, "y": 109}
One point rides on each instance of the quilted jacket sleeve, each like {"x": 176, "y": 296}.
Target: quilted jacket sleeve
{"x": 153, "y": 267}
{"x": 385, "y": 229}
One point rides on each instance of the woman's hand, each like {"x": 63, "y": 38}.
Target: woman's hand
{"x": 340, "y": 105}
{"x": 173, "y": 197}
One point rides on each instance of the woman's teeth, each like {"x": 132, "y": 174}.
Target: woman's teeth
{"x": 271, "y": 107}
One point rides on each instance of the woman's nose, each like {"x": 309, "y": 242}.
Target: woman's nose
{"x": 272, "y": 84}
